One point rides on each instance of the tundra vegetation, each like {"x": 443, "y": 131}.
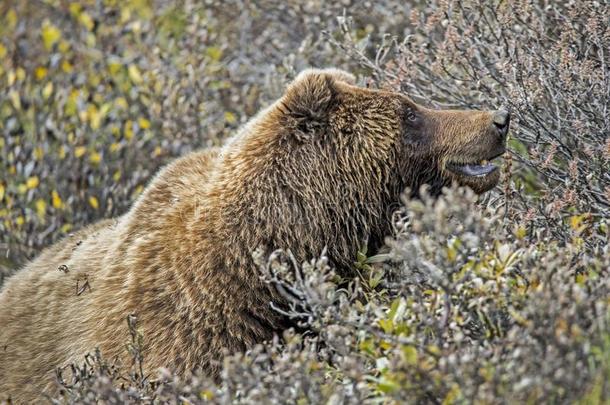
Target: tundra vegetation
{"x": 497, "y": 299}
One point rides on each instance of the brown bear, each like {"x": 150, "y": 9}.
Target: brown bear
{"x": 320, "y": 168}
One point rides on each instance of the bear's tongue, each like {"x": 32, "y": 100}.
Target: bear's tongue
{"x": 475, "y": 170}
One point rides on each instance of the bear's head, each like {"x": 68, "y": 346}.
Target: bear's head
{"x": 326, "y": 164}
{"x": 434, "y": 147}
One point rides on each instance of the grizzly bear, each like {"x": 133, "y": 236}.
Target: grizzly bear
{"x": 319, "y": 169}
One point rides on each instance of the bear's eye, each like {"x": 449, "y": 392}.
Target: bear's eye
{"x": 412, "y": 118}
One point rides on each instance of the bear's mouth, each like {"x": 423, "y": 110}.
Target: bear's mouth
{"x": 480, "y": 168}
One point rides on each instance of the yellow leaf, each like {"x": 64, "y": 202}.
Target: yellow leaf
{"x": 95, "y": 117}
{"x": 206, "y": 395}
{"x": 83, "y": 115}
{"x": 50, "y": 35}
{"x": 433, "y": 349}
{"x": 114, "y": 146}
{"x": 20, "y": 72}
{"x": 138, "y": 190}
{"x": 520, "y": 232}
{"x": 114, "y": 67}
{"x": 134, "y": 74}
{"x": 86, "y": 20}
{"x": 2, "y": 51}
{"x": 62, "y": 152}
{"x": 93, "y": 202}
{"x": 11, "y": 77}
{"x": 116, "y": 176}
{"x": 94, "y": 81}
{"x": 66, "y": 66}
{"x": 453, "y": 395}
{"x": 576, "y": 221}
{"x": 38, "y": 153}
{"x": 56, "y": 200}
{"x": 144, "y": 123}
{"x": 128, "y": 130}
{"x": 15, "y": 99}
{"x": 11, "y": 19}
{"x": 121, "y": 103}
{"x": 63, "y": 47}
{"x": 387, "y": 325}
{"x": 90, "y": 40}
{"x": 105, "y": 108}
{"x": 214, "y": 53}
{"x": 32, "y": 182}
{"x": 20, "y": 220}
{"x": 47, "y": 91}
{"x": 2, "y": 190}
{"x": 72, "y": 102}
{"x": 65, "y": 228}
{"x": 125, "y": 14}
{"x": 95, "y": 158}
{"x": 158, "y": 86}
{"x": 451, "y": 254}
{"x": 41, "y": 207}
{"x": 230, "y": 117}
{"x": 40, "y": 72}
{"x": 157, "y": 151}
{"x": 79, "y": 151}
{"x": 385, "y": 345}
{"x": 410, "y": 355}
{"x": 75, "y": 9}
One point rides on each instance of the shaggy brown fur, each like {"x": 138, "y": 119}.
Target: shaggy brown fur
{"x": 321, "y": 167}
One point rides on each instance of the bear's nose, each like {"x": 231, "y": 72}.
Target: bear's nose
{"x": 501, "y": 120}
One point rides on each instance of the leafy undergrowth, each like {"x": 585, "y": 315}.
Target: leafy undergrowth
{"x": 498, "y": 300}
{"x": 464, "y": 308}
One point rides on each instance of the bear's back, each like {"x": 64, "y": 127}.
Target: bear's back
{"x": 51, "y": 309}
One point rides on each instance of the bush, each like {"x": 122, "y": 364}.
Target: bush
{"x": 494, "y": 300}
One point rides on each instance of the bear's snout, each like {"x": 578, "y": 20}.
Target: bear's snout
{"x": 501, "y": 121}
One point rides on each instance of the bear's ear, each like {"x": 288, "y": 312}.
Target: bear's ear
{"x": 310, "y": 97}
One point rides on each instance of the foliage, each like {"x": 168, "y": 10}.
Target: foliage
{"x": 496, "y": 300}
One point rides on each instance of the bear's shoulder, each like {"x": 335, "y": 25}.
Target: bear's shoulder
{"x": 177, "y": 184}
